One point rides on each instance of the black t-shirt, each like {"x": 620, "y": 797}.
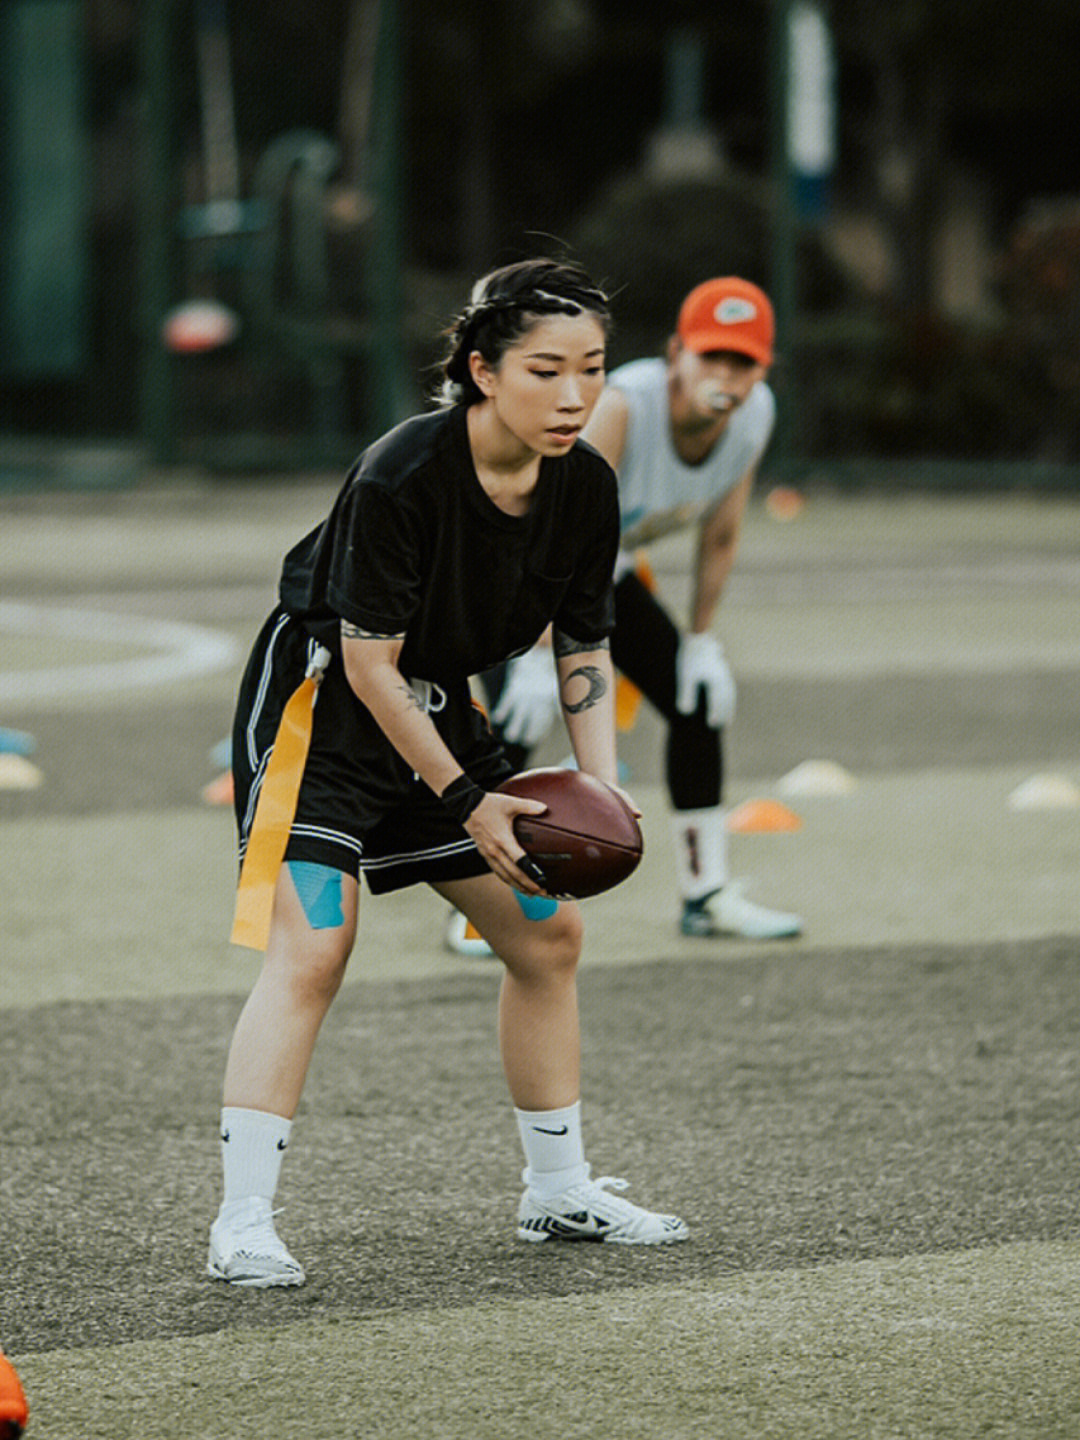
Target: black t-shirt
{"x": 415, "y": 546}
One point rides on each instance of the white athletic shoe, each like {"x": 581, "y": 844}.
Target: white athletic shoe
{"x": 463, "y": 938}
{"x": 588, "y": 1212}
{"x": 245, "y": 1249}
{"x": 728, "y": 912}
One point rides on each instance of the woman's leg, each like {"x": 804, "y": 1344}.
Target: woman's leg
{"x": 310, "y": 939}
{"x": 539, "y": 1035}
{"x": 278, "y": 1026}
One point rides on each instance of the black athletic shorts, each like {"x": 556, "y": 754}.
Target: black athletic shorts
{"x": 360, "y": 807}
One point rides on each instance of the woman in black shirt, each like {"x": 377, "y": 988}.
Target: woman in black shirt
{"x": 454, "y": 542}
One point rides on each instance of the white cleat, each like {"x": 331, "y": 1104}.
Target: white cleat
{"x": 463, "y": 938}
{"x": 246, "y": 1250}
{"x": 589, "y": 1212}
{"x": 727, "y": 912}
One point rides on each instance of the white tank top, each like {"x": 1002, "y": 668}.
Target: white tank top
{"x": 658, "y": 492}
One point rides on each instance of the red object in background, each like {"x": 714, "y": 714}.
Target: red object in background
{"x": 14, "y": 1411}
{"x": 198, "y": 326}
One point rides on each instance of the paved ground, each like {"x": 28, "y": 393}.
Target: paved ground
{"x": 898, "y": 1085}
{"x": 928, "y": 645}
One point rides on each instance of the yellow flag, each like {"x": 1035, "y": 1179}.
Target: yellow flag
{"x": 275, "y": 811}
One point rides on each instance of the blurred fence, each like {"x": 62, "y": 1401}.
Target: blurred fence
{"x": 324, "y": 336}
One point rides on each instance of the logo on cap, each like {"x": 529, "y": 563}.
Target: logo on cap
{"x": 734, "y": 310}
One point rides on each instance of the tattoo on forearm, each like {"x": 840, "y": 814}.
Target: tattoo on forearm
{"x": 354, "y": 632}
{"x": 565, "y": 645}
{"x": 597, "y": 684}
{"x": 412, "y": 700}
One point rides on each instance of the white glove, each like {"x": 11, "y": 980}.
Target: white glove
{"x": 530, "y": 698}
{"x": 700, "y": 665}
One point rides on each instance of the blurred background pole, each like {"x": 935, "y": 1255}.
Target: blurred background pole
{"x": 803, "y": 157}
{"x": 783, "y": 286}
{"x": 154, "y": 227}
{"x": 391, "y": 400}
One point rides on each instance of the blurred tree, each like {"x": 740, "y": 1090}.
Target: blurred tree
{"x": 1040, "y": 283}
{"x": 931, "y": 80}
{"x": 653, "y": 239}
{"x": 521, "y": 116}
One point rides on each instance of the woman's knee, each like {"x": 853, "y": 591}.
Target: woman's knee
{"x": 571, "y": 932}
{"x": 311, "y": 965}
{"x": 549, "y": 948}
{"x": 312, "y": 935}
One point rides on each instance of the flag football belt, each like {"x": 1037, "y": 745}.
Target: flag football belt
{"x": 274, "y": 813}
{"x": 280, "y": 790}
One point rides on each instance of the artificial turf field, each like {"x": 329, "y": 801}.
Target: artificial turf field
{"x": 872, "y": 1131}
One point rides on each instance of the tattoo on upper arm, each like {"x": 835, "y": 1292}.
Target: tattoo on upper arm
{"x": 598, "y": 687}
{"x": 566, "y": 645}
{"x": 354, "y": 632}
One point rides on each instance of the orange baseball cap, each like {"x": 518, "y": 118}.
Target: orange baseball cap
{"x": 728, "y": 314}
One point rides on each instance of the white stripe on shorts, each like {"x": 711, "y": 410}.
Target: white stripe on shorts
{"x": 318, "y": 832}
{"x": 260, "y": 693}
{"x": 414, "y": 857}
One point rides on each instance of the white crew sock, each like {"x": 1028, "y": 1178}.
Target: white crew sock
{"x": 701, "y": 851}
{"x": 253, "y": 1145}
{"x": 553, "y": 1149}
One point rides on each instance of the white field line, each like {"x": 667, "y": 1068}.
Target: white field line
{"x": 778, "y": 583}
{"x": 183, "y": 651}
{"x": 865, "y": 660}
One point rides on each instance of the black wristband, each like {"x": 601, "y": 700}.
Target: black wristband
{"x": 461, "y": 797}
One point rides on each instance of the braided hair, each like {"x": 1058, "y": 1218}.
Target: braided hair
{"x": 504, "y": 306}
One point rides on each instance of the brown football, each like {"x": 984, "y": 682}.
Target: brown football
{"x": 586, "y": 841}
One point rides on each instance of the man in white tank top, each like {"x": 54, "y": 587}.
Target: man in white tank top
{"x": 685, "y": 434}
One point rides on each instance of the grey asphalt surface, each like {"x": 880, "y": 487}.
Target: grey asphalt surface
{"x": 902, "y": 1080}
{"x": 871, "y": 1103}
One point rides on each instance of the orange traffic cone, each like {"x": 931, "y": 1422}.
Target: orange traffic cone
{"x": 761, "y": 817}
{"x": 627, "y": 703}
{"x": 219, "y": 791}
{"x": 14, "y": 1411}
{"x": 784, "y": 502}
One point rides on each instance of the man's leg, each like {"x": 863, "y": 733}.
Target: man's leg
{"x": 644, "y": 647}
